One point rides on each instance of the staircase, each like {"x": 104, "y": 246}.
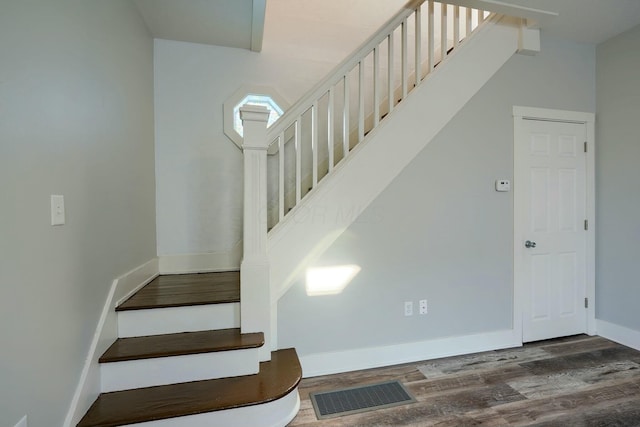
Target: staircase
{"x": 181, "y": 360}
{"x": 188, "y": 353}
{"x": 368, "y": 120}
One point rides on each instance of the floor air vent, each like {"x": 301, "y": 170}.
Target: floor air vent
{"x": 329, "y": 404}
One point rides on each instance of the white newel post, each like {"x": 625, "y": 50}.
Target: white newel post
{"x": 255, "y": 289}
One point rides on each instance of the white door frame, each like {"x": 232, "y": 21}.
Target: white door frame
{"x": 531, "y": 113}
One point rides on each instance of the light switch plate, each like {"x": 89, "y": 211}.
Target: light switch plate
{"x": 57, "y": 210}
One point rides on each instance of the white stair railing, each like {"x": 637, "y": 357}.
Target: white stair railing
{"x": 362, "y": 91}
{"x": 322, "y": 128}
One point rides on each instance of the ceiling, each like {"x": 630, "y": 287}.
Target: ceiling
{"x": 586, "y": 21}
{"x": 231, "y": 23}
{"x": 240, "y": 23}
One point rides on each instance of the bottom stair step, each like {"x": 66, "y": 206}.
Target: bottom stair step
{"x": 277, "y": 378}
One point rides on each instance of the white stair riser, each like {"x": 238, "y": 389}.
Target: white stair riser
{"x": 157, "y": 321}
{"x": 178, "y": 369}
{"x": 277, "y": 413}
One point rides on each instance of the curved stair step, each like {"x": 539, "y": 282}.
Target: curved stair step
{"x": 171, "y": 358}
{"x": 277, "y": 381}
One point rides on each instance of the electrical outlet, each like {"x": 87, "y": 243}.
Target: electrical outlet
{"x": 408, "y": 308}
{"x": 503, "y": 185}
{"x": 423, "y": 306}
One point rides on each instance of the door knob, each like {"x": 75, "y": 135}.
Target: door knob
{"x": 529, "y": 244}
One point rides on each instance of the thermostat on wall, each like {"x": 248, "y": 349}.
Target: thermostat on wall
{"x": 503, "y": 185}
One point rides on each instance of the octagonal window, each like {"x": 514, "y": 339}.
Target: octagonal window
{"x": 263, "y": 96}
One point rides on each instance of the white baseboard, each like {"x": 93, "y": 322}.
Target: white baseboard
{"x": 619, "y": 334}
{"x": 106, "y": 332}
{"x": 201, "y": 263}
{"x": 374, "y": 357}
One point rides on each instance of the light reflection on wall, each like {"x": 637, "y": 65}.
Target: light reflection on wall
{"x": 330, "y": 280}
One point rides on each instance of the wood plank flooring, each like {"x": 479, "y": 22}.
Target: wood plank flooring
{"x": 569, "y": 382}
{"x": 186, "y": 289}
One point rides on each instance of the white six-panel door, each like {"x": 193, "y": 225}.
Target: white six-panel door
{"x": 551, "y": 247}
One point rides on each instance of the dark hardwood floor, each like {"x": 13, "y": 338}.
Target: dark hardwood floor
{"x": 569, "y": 382}
{"x": 186, "y": 289}
{"x": 136, "y": 348}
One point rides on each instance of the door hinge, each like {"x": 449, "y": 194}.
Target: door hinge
{"x": 586, "y": 303}
{"x": 585, "y": 146}
{"x": 586, "y": 224}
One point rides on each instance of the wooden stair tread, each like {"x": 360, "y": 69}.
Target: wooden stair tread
{"x": 178, "y": 290}
{"x": 276, "y": 379}
{"x": 178, "y": 344}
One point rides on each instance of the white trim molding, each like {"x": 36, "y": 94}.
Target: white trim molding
{"x": 89, "y": 385}
{"x": 202, "y": 263}
{"x": 365, "y": 358}
{"x": 588, "y": 119}
{"x": 259, "y": 9}
{"x": 620, "y": 334}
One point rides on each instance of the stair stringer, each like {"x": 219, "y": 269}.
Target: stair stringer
{"x": 327, "y": 211}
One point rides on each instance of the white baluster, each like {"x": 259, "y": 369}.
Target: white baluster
{"x": 314, "y": 143}
{"x": 376, "y": 86}
{"x": 456, "y": 26}
{"x": 345, "y": 118}
{"x": 391, "y": 79}
{"x": 360, "y": 101}
{"x": 298, "y": 148}
{"x": 443, "y": 31}
{"x": 405, "y": 67}
{"x": 281, "y": 196}
{"x": 255, "y": 289}
{"x": 469, "y": 21}
{"x": 330, "y": 125}
{"x": 431, "y": 37}
{"x": 418, "y": 30}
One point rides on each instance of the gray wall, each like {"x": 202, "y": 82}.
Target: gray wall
{"x": 618, "y": 179}
{"x": 440, "y": 231}
{"x": 199, "y": 169}
{"x": 76, "y": 118}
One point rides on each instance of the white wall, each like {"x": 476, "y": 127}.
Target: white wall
{"x": 617, "y": 178}
{"x": 76, "y": 118}
{"x": 198, "y": 169}
{"x": 440, "y": 231}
